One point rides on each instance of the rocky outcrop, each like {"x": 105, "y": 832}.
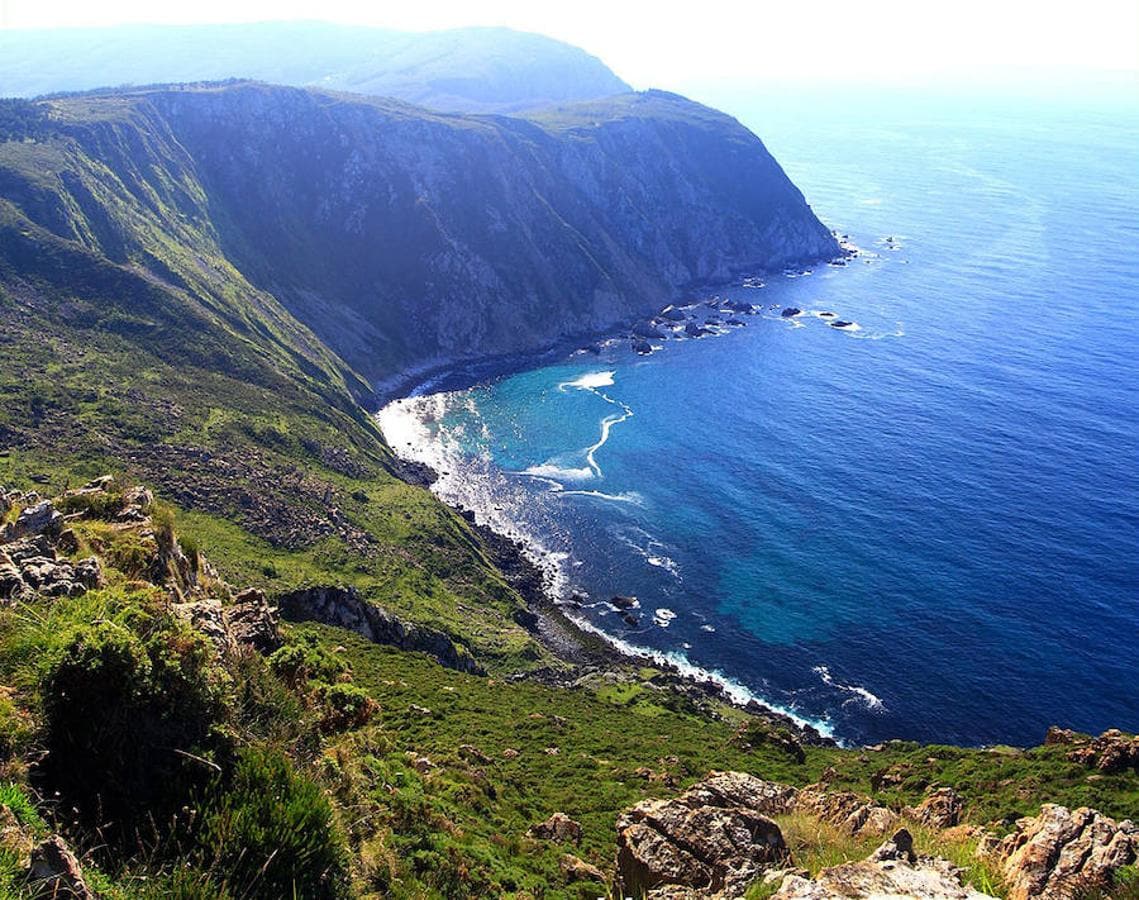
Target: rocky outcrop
{"x": 345, "y": 608}
{"x": 559, "y": 828}
{"x": 31, "y": 565}
{"x": 56, "y": 872}
{"x": 39, "y": 518}
{"x": 249, "y": 621}
{"x": 1061, "y": 851}
{"x": 855, "y": 815}
{"x": 892, "y": 872}
{"x": 941, "y": 809}
{"x": 711, "y": 841}
{"x": 1111, "y": 752}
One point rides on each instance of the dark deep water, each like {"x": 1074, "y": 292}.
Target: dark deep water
{"x": 925, "y": 528}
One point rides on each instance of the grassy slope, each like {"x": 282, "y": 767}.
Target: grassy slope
{"x": 111, "y": 367}
{"x": 130, "y": 345}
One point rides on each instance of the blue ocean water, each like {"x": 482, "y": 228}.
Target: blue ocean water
{"x": 926, "y": 527}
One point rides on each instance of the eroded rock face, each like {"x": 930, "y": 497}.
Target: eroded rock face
{"x": 30, "y": 565}
{"x": 249, "y": 621}
{"x": 39, "y": 518}
{"x": 1062, "y": 850}
{"x": 345, "y": 608}
{"x": 854, "y": 814}
{"x": 559, "y": 828}
{"x": 711, "y": 841}
{"x": 891, "y": 871}
{"x": 941, "y": 809}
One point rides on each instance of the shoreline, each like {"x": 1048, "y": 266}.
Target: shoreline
{"x": 583, "y": 647}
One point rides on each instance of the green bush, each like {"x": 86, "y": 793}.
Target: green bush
{"x": 267, "y": 831}
{"x": 303, "y": 659}
{"x": 96, "y": 505}
{"x": 128, "y": 720}
{"x": 345, "y": 706}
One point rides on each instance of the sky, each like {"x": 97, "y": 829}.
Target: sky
{"x": 680, "y": 44}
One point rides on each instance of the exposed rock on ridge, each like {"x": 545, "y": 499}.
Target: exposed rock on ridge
{"x": 345, "y": 608}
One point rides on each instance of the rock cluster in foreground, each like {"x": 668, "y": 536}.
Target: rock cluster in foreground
{"x": 720, "y": 837}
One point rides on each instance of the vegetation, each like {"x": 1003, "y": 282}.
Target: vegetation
{"x": 177, "y": 764}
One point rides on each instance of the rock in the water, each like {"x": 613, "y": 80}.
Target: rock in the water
{"x": 712, "y": 841}
{"x": 790, "y": 312}
{"x": 892, "y": 872}
{"x": 854, "y": 814}
{"x": 623, "y": 602}
{"x": 695, "y": 331}
{"x": 1062, "y": 851}
{"x": 559, "y": 828}
{"x": 642, "y": 348}
{"x": 941, "y": 809}
{"x": 673, "y": 314}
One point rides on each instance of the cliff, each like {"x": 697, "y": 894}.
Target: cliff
{"x": 404, "y": 238}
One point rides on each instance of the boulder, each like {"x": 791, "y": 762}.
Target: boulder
{"x": 891, "y": 871}
{"x": 790, "y": 312}
{"x": 1062, "y": 851}
{"x": 711, "y": 841}
{"x": 695, "y": 331}
{"x": 57, "y": 871}
{"x": 39, "y": 518}
{"x": 12, "y": 585}
{"x": 559, "y": 828}
{"x": 941, "y": 809}
{"x": 855, "y": 815}
{"x": 253, "y": 621}
{"x": 575, "y": 869}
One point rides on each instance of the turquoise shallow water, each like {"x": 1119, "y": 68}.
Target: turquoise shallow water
{"x": 927, "y": 527}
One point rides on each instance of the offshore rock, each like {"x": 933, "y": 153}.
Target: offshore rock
{"x": 345, "y": 608}
{"x": 1061, "y": 852}
{"x": 891, "y": 871}
{"x": 714, "y": 840}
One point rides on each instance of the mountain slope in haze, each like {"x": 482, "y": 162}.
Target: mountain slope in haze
{"x": 407, "y": 239}
{"x": 467, "y": 69}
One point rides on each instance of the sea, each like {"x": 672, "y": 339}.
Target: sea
{"x": 923, "y": 524}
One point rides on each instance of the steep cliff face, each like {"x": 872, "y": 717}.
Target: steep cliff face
{"x": 404, "y": 238}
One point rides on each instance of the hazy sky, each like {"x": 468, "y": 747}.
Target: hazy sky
{"x": 676, "y": 44}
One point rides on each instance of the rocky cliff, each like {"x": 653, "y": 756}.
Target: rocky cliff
{"x": 404, "y": 238}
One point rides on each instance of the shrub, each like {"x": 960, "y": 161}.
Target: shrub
{"x": 267, "y": 831}
{"x": 345, "y": 706}
{"x": 303, "y": 659}
{"x": 127, "y": 720}
{"x": 96, "y": 505}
